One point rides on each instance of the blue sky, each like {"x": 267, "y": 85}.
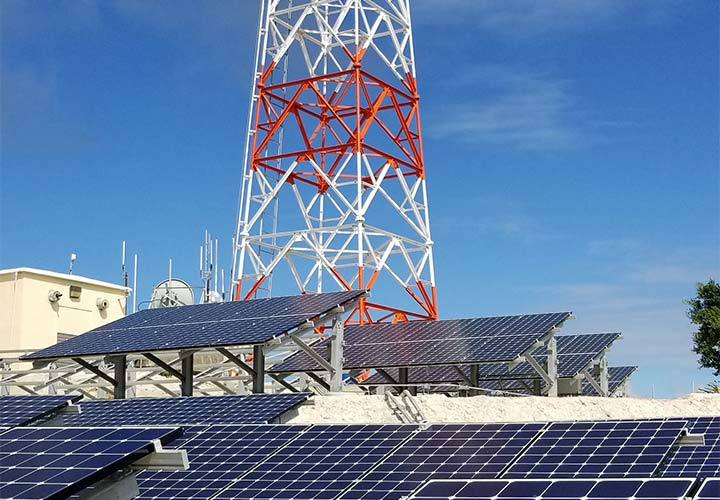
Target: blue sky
{"x": 571, "y": 150}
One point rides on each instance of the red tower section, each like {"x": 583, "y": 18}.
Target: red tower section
{"x": 334, "y": 193}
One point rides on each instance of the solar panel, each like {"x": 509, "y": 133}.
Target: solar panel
{"x": 452, "y": 451}
{"x": 50, "y": 462}
{"x": 562, "y": 489}
{"x": 419, "y": 375}
{"x": 320, "y": 463}
{"x": 629, "y": 448}
{"x": 440, "y": 342}
{"x": 21, "y": 410}
{"x": 202, "y": 325}
{"x": 253, "y": 408}
{"x": 575, "y": 353}
{"x": 218, "y": 455}
{"x": 696, "y": 461}
{"x": 710, "y": 490}
{"x": 617, "y": 376}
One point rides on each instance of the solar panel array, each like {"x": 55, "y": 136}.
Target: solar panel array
{"x": 696, "y": 461}
{"x": 440, "y": 342}
{"x": 598, "y": 449}
{"x": 252, "y": 408}
{"x": 615, "y": 489}
{"x": 389, "y": 462}
{"x": 218, "y": 455}
{"x": 22, "y": 410}
{"x": 451, "y": 451}
{"x": 50, "y": 462}
{"x": 320, "y": 463}
{"x": 232, "y": 461}
{"x": 710, "y": 490}
{"x": 575, "y": 353}
{"x": 201, "y": 325}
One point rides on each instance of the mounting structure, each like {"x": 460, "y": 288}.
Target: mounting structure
{"x": 334, "y": 140}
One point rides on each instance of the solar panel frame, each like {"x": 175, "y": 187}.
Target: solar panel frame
{"x": 433, "y": 343}
{"x": 56, "y": 462}
{"x": 556, "y": 489}
{"x": 23, "y": 410}
{"x": 445, "y": 451}
{"x": 200, "y": 326}
{"x": 693, "y": 460}
{"x": 610, "y": 449}
{"x": 218, "y": 455}
{"x": 191, "y": 410}
{"x": 709, "y": 490}
{"x": 321, "y": 463}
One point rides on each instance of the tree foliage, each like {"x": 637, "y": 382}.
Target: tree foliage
{"x": 705, "y": 312}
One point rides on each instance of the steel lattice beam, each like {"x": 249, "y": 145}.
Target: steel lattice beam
{"x": 334, "y": 135}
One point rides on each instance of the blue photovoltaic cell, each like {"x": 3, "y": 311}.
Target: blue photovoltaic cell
{"x": 598, "y": 449}
{"x": 450, "y": 451}
{"x": 21, "y": 410}
{"x": 321, "y": 463}
{"x": 560, "y": 489}
{"x": 202, "y": 325}
{"x": 710, "y": 490}
{"x": 51, "y": 462}
{"x": 218, "y": 455}
{"x": 440, "y": 342}
{"x": 193, "y": 410}
{"x": 696, "y": 461}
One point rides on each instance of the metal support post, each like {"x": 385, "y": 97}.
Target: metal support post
{"x": 537, "y": 387}
{"x": 4, "y": 370}
{"x": 552, "y": 372}
{"x": 403, "y": 380}
{"x": 474, "y": 379}
{"x": 259, "y": 368}
{"x": 600, "y": 373}
{"x": 186, "y": 385}
{"x": 132, "y": 379}
{"x": 336, "y": 354}
{"x": 52, "y": 370}
{"x": 120, "y": 389}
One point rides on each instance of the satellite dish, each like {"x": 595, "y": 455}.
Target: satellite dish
{"x": 171, "y": 293}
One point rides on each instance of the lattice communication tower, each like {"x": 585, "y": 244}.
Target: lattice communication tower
{"x": 333, "y": 192}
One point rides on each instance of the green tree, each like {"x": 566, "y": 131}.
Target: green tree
{"x": 705, "y": 312}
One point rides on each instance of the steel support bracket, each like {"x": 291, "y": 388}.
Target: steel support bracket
{"x": 314, "y": 355}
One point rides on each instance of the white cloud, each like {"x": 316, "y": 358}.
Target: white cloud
{"x": 520, "y": 109}
{"x": 494, "y": 215}
{"x": 527, "y": 18}
{"x": 672, "y": 274}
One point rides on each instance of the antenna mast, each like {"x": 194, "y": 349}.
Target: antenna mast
{"x": 337, "y": 140}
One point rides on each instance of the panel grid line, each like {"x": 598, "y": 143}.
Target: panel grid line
{"x": 445, "y": 451}
{"x": 321, "y": 463}
{"x": 598, "y": 449}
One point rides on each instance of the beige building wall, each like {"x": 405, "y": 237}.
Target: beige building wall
{"x": 29, "y": 319}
